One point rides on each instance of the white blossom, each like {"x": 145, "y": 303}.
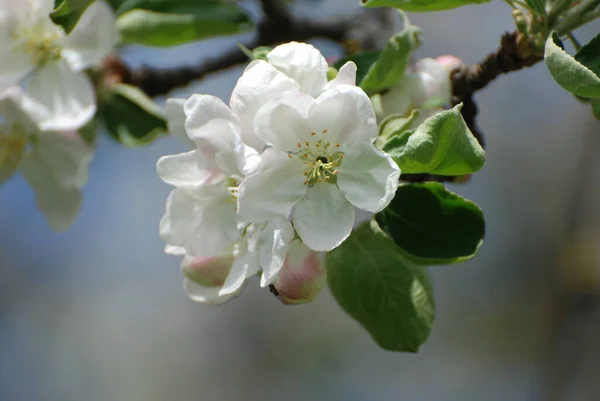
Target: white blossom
{"x": 55, "y": 164}
{"x": 320, "y": 162}
{"x": 59, "y": 95}
{"x": 291, "y": 67}
{"x": 201, "y": 218}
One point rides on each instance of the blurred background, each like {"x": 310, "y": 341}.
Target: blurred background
{"x": 98, "y": 314}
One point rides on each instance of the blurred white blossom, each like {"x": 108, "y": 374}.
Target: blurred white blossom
{"x": 55, "y": 164}
{"x": 59, "y": 94}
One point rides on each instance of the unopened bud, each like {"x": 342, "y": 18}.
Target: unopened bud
{"x": 432, "y": 87}
{"x": 207, "y": 271}
{"x": 302, "y": 276}
{"x": 449, "y": 62}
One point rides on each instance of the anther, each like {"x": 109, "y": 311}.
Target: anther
{"x": 299, "y": 145}
{"x": 313, "y": 133}
{"x": 324, "y": 131}
{"x": 307, "y": 143}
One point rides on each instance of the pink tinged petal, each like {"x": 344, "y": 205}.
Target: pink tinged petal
{"x": 283, "y": 123}
{"x": 345, "y": 76}
{"x": 273, "y": 189}
{"x": 302, "y": 277}
{"x": 303, "y": 63}
{"x": 368, "y": 177}
{"x": 273, "y": 243}
{"x": 449, "y": 62}
{"x": 176, "y": 121}
{"x": 203, "y": 220}
{"x": 207, "y": 271}
{"x": 187, "y": 169}
{"x": 59, "y": 205}
{"x": 260, "y": 83}
{"x": 207, "y": 295}
{"x": 346, "y": 113}
{"x": 92, "y": 38}
{"x": 246, "y": 265}
{"x": 59, "y": 99}
{"x": 323, "y": 219}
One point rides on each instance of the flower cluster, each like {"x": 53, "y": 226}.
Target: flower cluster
{"x": 46, "y": 96}
{"x": 273, "y": 178}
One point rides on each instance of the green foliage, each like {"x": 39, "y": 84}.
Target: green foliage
{"x": 579, "y": 75}
{"x": 539, "y": 6}
{"x": 393, "y": 59}
{"x": 422, "y": 5}
{"x": 174, "y": 22}
{"x": 131, "y": 117}
{"x": 394, "y": 130}
{"x": 433, "y": 225}
{"x": 66, "y": 13}
{"x": 596, "y": 108}
{"x": 390, "y": 296}
{"x": 442, "y": 144}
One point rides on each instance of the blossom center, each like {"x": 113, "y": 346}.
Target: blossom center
{"x": 321, "y": 158}
{"x": 42, "y": 45}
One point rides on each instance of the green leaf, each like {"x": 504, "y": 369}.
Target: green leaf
{"x": 596, "y": 108}
{"x": 433, "y": 225}
{"x": 579, "y": 75}
{"x": 67, "y": 12}
{"x": 393, "y": 127}
{"x": 421, "y": 5}
{"x": 131, "y": 117}
{"x": 390, "y": 296}
{"x": 442, "y": 144}
{"x": 363, "y": 62}
{"x": 393, "y": 59}
{"x": 179, "y": 21}
{"x": 539, "y": 6}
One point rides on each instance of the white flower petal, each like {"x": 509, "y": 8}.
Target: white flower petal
{"x": 283, "y": 123}
{"x": 432, "y": 87}
{"x": 28, "y": 9}
{"x": 346, "y": 76}
{"x": 323, "y": 219}
{"x": 59, "y": 99}
{"x": 273, "y": 189}
{"x": 187, "y": 169}
{"x": 210, "y": 123}
{"x": 346, "y": 112}
{"x": 273, "y": 244}
{"x": 303, "y": 63}
{"x": 11, "y": 110}
{"x": 92, "y": 38}
{"x": 176, "y": 121}
{"x": 14, "y": 65}
{"x": 203, "y": 221}
{"x": 368, "y": 177}
{"x": 260, "y": 83}
{"x": 207, "y": 295}
{"x": 65, "y": 156}
{"x": 58, "y": 204}
{"x": 174, "y": 250}
{"x": 245, "y": 266}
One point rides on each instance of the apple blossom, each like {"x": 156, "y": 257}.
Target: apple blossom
{"x": 290, "y": 67}
{"x": 59, "y": 95}
{"x": 53, "y": 163}
{"x": 320, "y": 162}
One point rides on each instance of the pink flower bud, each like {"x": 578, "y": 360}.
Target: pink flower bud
{"x": 302, "y": 276}
{"x": 207, "y": 271}
{"x": 449, "y": 62}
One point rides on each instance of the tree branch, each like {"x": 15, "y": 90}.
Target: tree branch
{"x": 278, "y": 26}
{"x": 514, "y": 54}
